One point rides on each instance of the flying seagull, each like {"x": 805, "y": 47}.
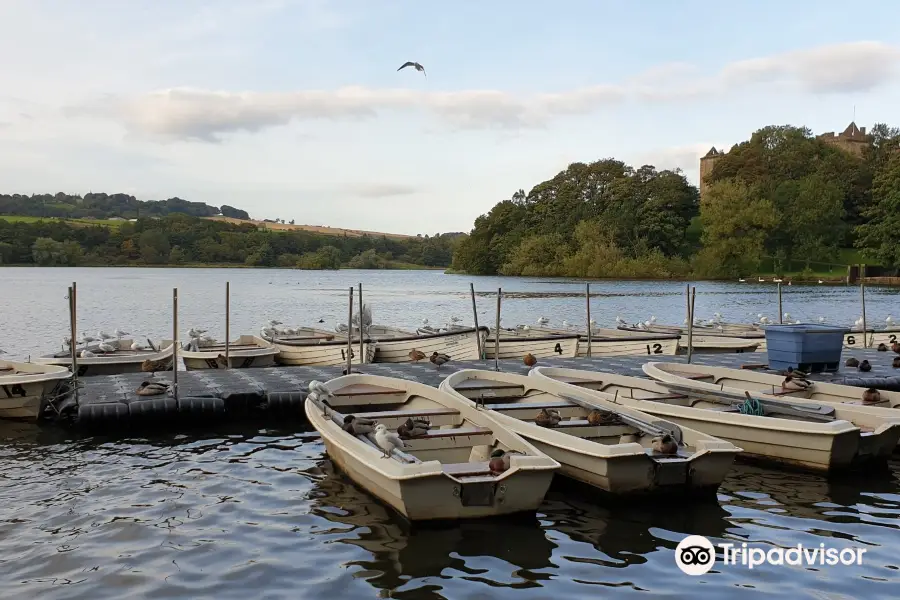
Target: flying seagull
{"x": 417, "y": 66}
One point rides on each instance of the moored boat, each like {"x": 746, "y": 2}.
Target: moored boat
{"x": 792, "y": 432}
{"x": 395, "y": 345}
{"x": 127, "y": 357}
{"x": 613, "y": 342}
{"x": 245, "y": 352}
{"x": 318, "y": 349}
{"x": 769, "y": 385}
{"x": 450, "y": 468}
{"x": 24, "y": 387}
{"x": 600, "y": 443}
{"x": 515, "y": 344}
{"x": 707, "y": 340}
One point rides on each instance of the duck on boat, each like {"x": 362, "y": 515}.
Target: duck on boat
{"x": 791, "y": 432}
{"x": 617, "y": 449}
{"x": 26, "y": 388}
{"x": 424, "y": 452}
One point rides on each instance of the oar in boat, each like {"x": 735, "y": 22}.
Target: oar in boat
{"x": 658, "y": 427}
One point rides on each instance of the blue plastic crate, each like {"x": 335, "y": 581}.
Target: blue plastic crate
{"x": 808, "y": 347}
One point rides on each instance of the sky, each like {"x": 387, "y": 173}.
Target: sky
{"x": 294, "y": 109}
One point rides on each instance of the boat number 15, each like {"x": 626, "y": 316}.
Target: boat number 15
{"x": 344, "y": 354}
{"x": 657, "y": 349}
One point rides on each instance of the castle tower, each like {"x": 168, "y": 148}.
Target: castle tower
{"x": 853, "y": 139}
{"x": 706, "y": 166}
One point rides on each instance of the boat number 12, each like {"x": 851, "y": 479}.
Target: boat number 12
{"x": 344, "y": 354}
{"x": 657, "y": 349}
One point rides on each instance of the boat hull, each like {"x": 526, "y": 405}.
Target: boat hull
{"x": 626, "y": 347}
{"x": 195, "y": 363}
{"x": 458, "y": 345}
{"x": 23, "y": 401}
{"x": 539, "y": 347}
{"x": 246, "y": 352}
{"x": 122, "y": 361}
{"x": 322, "y": 354}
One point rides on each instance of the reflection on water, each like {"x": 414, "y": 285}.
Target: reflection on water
{"x": 263, "y": 513}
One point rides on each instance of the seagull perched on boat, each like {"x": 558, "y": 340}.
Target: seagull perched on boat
{"x": 415, "y": 65}
{"x": 87, "y": 339}
{"x": 106, "y": 347}
{"x": 105, "y": 336}
{"x": 387, "y": 440}
{"x": 321, "y": 392}
{"x": 889, "y": 320}
{"x": 138, "y": 346}
{"x": 120, "y": 334}
{"x": 543, "y": 321}
{"x": 86, "y": 354}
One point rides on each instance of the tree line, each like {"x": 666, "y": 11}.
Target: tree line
{"x": 782, "y": 194}
{"x": 179, "y": 239}
{"x": 105, "y": 206}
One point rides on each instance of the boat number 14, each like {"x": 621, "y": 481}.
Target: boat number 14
{"x": 657, "y": 349}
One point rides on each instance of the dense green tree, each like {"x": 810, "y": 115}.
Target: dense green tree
{"x": 878, "y": 236}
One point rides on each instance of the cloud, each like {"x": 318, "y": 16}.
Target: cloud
{"x": 196, "y": 114}
{"x": 383, "y": 190}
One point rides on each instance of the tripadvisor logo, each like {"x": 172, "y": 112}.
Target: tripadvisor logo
{"x": 696, "y": 555}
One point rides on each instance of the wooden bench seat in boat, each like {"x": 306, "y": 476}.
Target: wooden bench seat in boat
{"x": 363, "y": 389}
{"x": 422, "y": 413}
{"x": 532, "y": 405}
{"x": 468, "y": 469}
{"x": 456, "y": 437}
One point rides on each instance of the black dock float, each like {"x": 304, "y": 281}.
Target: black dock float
{"x": 111, "y": 404}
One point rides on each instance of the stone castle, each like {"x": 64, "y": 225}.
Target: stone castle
{"x": 853, "y": 139}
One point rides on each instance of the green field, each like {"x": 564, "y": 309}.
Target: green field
{"x": 85, "y": 222}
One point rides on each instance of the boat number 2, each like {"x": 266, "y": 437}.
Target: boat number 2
{"x": 850, "y": 340}
{"x": 892, "y": 338}
{"x": 657, "y": 349}
{"x": 558, "y": 349}
{"x": 344, "y": 354}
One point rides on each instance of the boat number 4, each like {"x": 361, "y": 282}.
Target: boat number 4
{"x": 657, "y": 349}
{"x": 344, "y": 354}
{"x": 558, "y": 349}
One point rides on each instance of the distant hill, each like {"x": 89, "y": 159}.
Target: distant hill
{"x": 106, "y": 206}
{"x": 279, "y": 226}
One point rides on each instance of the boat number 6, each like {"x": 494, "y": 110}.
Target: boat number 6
{"x": 850, "y": 340}
{"x": 657, "y": 348}
{"x": 558, "y": 349}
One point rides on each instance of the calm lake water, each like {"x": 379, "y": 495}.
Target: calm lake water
{"x": 244, "y": 512}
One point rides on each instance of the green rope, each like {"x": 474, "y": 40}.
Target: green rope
{"x": 752, "y": 406}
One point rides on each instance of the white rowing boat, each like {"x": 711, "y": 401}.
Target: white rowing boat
{"x": 245, "y": 352}
{"x": 515, "y": 344}
{"x": 597, "y": 442}
{"x": 25, "y": 386}
{"x": 707, "y": 340}
{"x": 792, "y": 432}
{"x": 446, "y": 472}
{"x": 395, "y": 345}
{"x": 122, "y": 360}
{"x": 613, "y": 342}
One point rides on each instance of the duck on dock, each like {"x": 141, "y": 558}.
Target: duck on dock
{"x": 416, "y": 355}
{"x": 529, "y": 360}
{"x": 437, "y": 359}
{"x": 882, "y": 347}
{"x": 896, "y": 347}
{"x": 548, "y": 418}
{"x": 852, "y": 362}
{"x": 871, "y": 396}
{"x": 864, "y": 366}
{"x": 152, "y": 388}
{"x": 896, "y": 362}
{"x": 664, "y": 444}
